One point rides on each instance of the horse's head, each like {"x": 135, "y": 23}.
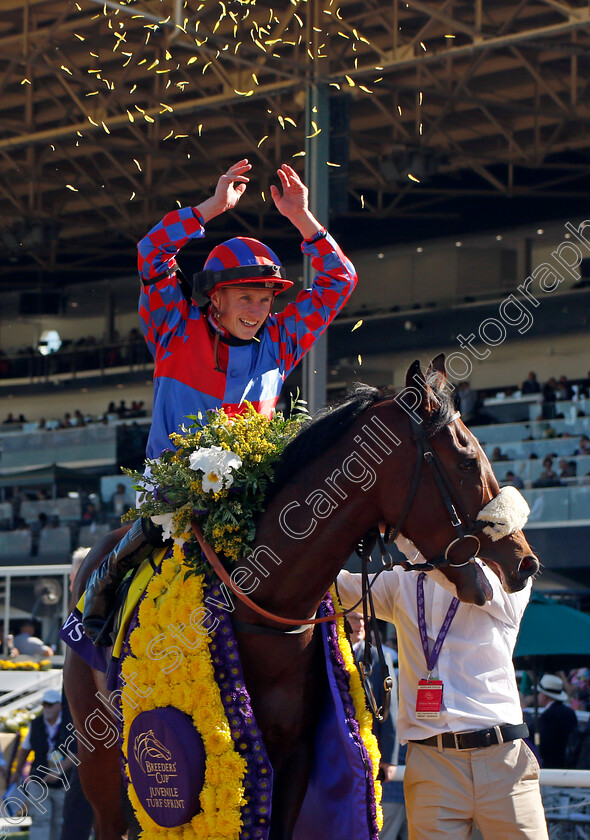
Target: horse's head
{"x": 446, "y": 519}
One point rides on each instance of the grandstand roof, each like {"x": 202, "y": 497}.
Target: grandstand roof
{"x": 112, "y": 112}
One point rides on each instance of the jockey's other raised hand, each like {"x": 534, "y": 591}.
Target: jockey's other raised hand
{"x": 228, "y": 191}
{"x": 292, "y": 203}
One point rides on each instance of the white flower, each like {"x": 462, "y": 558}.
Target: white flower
{"x": 168, "y": 525}
{"x": 166, "y": 521}
{"x": 217, "y": 465}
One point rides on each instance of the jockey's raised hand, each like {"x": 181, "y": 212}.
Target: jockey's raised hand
{"x": 292, "y": 202}
{"x": 229, "y": 190}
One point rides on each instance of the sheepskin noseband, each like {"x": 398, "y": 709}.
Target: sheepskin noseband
{"x": 506, "y": 513}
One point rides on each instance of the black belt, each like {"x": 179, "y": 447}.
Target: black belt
{"x": 477, "y": 739}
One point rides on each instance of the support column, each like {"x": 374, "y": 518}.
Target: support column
{"x": 317, "y": 110}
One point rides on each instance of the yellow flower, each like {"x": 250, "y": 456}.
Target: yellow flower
{"x": 169, "y": 600}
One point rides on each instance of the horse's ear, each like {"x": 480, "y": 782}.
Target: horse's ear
{"x": 437, "y": 368}
{"x": 416, "y": 381}
{"x": 414, "y": 376}
{"x": 437, "y": 365}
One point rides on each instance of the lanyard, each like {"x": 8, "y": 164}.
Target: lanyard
{"x": 432, "y": 658}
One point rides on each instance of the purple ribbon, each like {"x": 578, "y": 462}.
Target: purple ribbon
{"x": 432, "y": 658}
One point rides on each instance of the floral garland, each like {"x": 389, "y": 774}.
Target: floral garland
{"x": 218, "y": 475}
{"x": 235, "y": 799}
{"x": 222, "y": 796}
{"x": 25, "y": 665}
{"x": 359, "y": 717}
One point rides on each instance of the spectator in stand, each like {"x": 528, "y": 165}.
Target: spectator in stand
{"x": 112, "y": 409}
{"x": 548, "y": 477}
{"x": 9, "y": 420}
{"x": 42, "y": 424}
{"x": 122, "y": 409}
{"x": 28, "y": 645}
{"x": 568, "y": 469}
{"x": 564, "y": 389}
{"x": 498, "y": 455}
{"x": 79, "y": 418}
{"x": 549, "y": 398}
{"x": 37, "y": 526}
{"x": 514, "y": 480}
{"x": 556, "y": 722}
{"x": 67, "y": 422}
{"x": 89, "y": 513}
{"x": 583, "y": 446}
{"x": 530, "y": 385}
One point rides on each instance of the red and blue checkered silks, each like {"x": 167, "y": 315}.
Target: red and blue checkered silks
{"x": 181, "y": 337}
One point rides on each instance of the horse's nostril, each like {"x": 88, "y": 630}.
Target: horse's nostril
{"x": 528, "y": 565}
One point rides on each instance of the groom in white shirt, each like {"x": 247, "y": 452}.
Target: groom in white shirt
{"x": 459, "y": 708}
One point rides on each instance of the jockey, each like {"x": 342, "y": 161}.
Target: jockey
{"x": 228, "y": 351}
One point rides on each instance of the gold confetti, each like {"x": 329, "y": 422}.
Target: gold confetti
{"x": 147, "y": 118}
{"x": 261, "y": 141}
{"x": 180, "y": 136}
{"x": 70, "y": 187}
{"x": 366, "y": 89}
{"x": 420, "y": 98}
{"x": 299, "y": 154}
{"x": 168, "y": 136}
{"x": 92, "y": 121}
{"x": 450, "y": 36}
{"x": 166, "y": 108}
{"x": 399, "y": 110}
{"x": 192, "y": 59}
{"x": 255, "y": 78}
{"x": 362, "y": 202}
{"x": 168, "y": 56}
{"x": 132, "y": 196}
{"x": 316, "y": 130}
{"x": 413, "y": 178}
{"x": 25, "y": 82}
{"x": 359, "y": 359}
{"x": 422, "y": 45}
{"x": 357, "y": 325}
{"x": 209, "y": 63}
{"x": 133, "y": 89}
{"x": 136, "y": 162}
{"x": 154, "y": 64}
{"x": 332, "y": 164}
{"x": 289, "y": 120}
{"x": 105, "y": 127}
{"x": 52, "y": 147}
{"x": 344, "y": 35}
{"x": 335, "y": 84}
{"x": 81, "y": 37}
{"x": 244, "y": 92}
{"x": 349, "y": 80}
{"x": 263, "y": 196}
{"x": 200, "y": 129}
{"x": 281, "y": 122}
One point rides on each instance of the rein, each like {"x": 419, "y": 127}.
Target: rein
{"x": 221, "y": 572}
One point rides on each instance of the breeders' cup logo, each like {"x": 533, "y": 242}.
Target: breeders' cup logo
{"x": 154, "y": 758}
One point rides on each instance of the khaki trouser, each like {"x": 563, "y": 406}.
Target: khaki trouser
{"x": 496, "y": 787}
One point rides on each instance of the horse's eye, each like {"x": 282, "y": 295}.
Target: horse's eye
{"x": 468, "y": 464}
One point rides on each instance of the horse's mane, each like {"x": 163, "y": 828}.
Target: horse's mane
{"x": 320, "y": 432}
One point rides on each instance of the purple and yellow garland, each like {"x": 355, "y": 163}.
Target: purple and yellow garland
{"x": 236, "y": 796}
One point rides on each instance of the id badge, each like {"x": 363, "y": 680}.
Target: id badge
{"x": 429, "y": 699}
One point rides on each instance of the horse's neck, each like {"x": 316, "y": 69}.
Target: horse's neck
{"x": 312, "y": 526}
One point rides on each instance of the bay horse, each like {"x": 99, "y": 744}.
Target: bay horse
{"x": 356, "y": 466}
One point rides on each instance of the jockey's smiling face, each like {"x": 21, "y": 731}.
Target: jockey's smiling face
{"x": 242, "y": 311}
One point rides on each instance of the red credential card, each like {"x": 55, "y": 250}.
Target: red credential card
{"x": 429, "y": 699}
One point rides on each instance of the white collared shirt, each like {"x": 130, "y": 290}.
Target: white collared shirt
{"x": 475, "y": 662}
